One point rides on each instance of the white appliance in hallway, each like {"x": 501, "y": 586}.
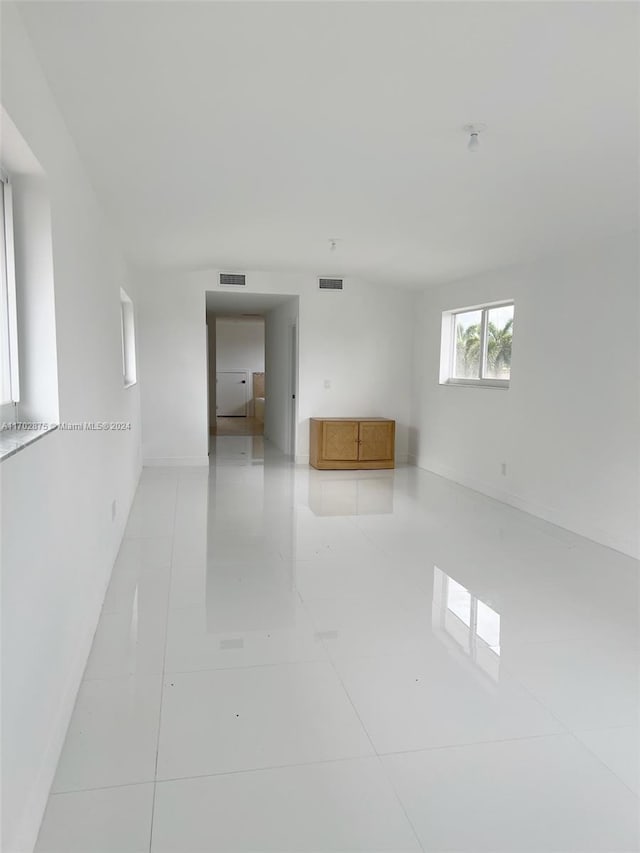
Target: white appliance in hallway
{"x": 231, "y": 393}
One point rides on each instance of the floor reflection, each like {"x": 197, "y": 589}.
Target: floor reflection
{"x": 465, "y": 623}
{"x": 243, "y": 599}
{"x": 248, "y": 592}
{"x": 356, "y": 495}
{"x": 266, "y": 620}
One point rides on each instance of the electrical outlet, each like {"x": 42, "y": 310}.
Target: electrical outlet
{"x": 504, "y": 469}
{"x": 113, "y": 510}
{"x": 327, "y": 383}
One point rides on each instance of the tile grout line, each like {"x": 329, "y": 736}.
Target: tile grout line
{"x": 567, "y": 730}
{"x": 339, "y": 760}
{"x": 164, "y": 657}
{"x": 517, "y": 680}
{"x": 604, "y": 764}
{"x": 369, "y": 738}
{"x": 396, "y": 794}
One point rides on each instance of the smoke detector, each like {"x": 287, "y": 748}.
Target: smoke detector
{"x": 474, "y": 130}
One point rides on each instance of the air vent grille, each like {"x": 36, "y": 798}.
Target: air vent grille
{"x": 232, "y": 280}
{"x": 330, "y": 284}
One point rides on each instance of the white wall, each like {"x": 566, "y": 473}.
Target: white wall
{"x": 58, "y": 538}
{"x": 211, "y": 376}
{"x": 240, "y": 346}
{"x": 359, "y": 340}
{"x": 33, "y": 254}
{"x": 172, "y": 348}
{"x": 280, "y": 322}
{"x": 569, "y": 426}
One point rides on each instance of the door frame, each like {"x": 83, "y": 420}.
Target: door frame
{"x": 294, "y": 343}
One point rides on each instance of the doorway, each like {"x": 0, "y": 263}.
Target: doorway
{"x": 239, "y": 357}
{"x": 252, "y": 342}
{"x": 293, "y": 402}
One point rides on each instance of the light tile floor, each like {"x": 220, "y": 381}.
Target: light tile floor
{"x": 296, "y": 660}
{"x": 238, "y": 426}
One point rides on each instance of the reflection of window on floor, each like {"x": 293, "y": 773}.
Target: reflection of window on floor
{"x": 472, "y": 624}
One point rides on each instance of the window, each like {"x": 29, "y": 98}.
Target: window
{"x": 476, "y": 346}
{"x": 128, "y": 340}
{"x": 9, "y": 384}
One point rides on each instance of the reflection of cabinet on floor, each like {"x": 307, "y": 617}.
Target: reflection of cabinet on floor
{"x": 359, "y": 493}
{"x": 352, "y": 443}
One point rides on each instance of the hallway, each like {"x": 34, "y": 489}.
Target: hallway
{"x": 300, "y": 660}
{"x": 239, "y": 426}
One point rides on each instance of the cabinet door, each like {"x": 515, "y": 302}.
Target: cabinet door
{"x": 376, "y": 440}
{"x": 340, "y": 441}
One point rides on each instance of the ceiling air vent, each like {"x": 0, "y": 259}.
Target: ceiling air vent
{"x": 232, "y": 280}
{"x": 330, "y": 283}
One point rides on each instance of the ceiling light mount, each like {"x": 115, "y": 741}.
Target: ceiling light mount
{"x": 333, "y": 243}
{"x": 474, "y": 130}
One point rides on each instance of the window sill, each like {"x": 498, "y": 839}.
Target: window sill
{"x": 462, "y": 383}
{"x": 13, "y": 441}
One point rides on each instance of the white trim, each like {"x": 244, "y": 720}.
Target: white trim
{"x": 502, "y": 384}
{"x": 448, "y": 342}
{"x": 484, "y": 344}
{"x": 30, "y": 820}
{"x": 9, "y": 275}
{"x": 294, "y": 346}
{"x": 503, "y": 303}
{"x": 33, "y": 811}
{"x": 447, "y": 368}
{"x": 553, "y": 516}
{"x": 128, "y": 333}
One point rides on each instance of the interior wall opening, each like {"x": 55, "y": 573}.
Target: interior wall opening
{"x": 239, "y": 376}
{"x": 252, "y": 370}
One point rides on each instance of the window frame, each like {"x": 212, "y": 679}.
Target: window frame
{"x": 448, "y": 348}
{"x": 128, "y": 336}
{"x": 8, "y": 290}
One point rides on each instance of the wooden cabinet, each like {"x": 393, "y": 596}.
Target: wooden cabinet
{"x": 352, "y": 443}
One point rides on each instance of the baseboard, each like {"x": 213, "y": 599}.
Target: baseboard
{"x": 302, "y": 459}
{"x": 412, "y": 459}
{"x": 26, "y": 836}
{"x": 402, "y": 459}
{"x": 548, "y": 514}
{"x": 33, "y": 813}
{"x": 174, "y": 461}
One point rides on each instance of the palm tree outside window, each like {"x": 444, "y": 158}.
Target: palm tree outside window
{"x": 481, "y": 345}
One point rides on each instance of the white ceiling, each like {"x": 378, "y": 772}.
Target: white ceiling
{"x": 244, "y": 136}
